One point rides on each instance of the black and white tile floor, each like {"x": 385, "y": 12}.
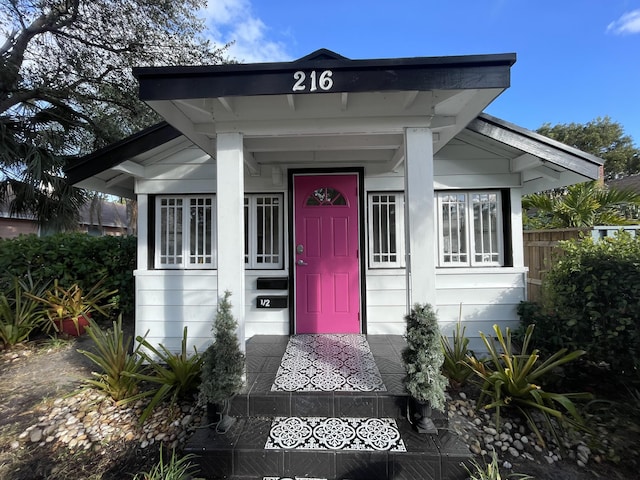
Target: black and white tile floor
{"x": 325, "y": 363}
{"x": 328, "y": 433}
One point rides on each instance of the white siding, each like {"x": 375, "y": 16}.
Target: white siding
{"x": 169, "y": 300}
{"x": 261, "y": 321}
{"x": 487, "y": 296}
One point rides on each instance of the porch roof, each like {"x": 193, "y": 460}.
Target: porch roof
{"x": 326, "y": 108}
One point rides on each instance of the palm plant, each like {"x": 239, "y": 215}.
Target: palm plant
{"x": 512, "y": 380}
{"x": 581, "y": 205}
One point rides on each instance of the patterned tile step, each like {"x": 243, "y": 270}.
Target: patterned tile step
{"x": 332, "y": 362}
{"x": 329, "y": 433}
{"x": 292, "y": 478}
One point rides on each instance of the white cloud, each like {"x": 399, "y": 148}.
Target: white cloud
{"x": 234, "y": 21}
{"x": 629, "y": 23}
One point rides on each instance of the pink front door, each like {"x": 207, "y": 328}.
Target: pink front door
{"x": 327, "y": 277}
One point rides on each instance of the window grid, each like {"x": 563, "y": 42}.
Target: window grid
{"x": 186, "y": 234}
{"x": 263, "y": 231}
{"x": 386, "y": 228}
{"x": 485, "y": 213}
{"x": 469, "y": 229}
{"x": 454, "y": 241}
{"x": 201, "y": 232}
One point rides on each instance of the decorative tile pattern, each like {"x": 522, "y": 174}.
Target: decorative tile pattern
{"x": 326, "y": 363}
{"x": 328, "y": 433}
{"x": 292, "y": 478}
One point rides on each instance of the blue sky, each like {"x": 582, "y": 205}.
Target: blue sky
{"x": 577, "y": 59}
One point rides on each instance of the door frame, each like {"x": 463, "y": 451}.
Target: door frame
{"x": 359, "y": 171}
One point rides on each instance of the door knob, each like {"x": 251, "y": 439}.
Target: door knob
{"x": 302, "y": 263}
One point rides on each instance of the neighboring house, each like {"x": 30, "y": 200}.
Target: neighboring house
{"x": 97, "y": 218}
{"x": 329, "y": 195}
{"x": 630, "y": 182}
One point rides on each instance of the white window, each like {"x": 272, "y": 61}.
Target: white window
{"x": 469, "y": 229}
{"x": 386, "y": 230}
{"x": 263, "y": 231}
{"x": 185, "y": 232}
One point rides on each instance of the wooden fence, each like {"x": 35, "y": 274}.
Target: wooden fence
{"x": 541, "y": 246}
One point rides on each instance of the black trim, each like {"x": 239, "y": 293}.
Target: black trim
{"x": 151, "y": 231}
{"x": 362, "y": 254}
{"x": 114, "y": 154}
{"x": 272, "y": 283}
{"x": 507, "y": 234}
{"x": 418, "y": 73}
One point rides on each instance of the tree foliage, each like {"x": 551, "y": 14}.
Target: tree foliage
{"x": 581, "y": 205}
{"x": 66, "y": 86}
{"x": 603, "y": 138}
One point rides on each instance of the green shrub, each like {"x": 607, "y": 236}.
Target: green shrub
{"x": 549, "y": 335}
{"x": 593, "y": 290}
{"x": 72, "y": 258}
{"x": 20, "y": 315}
{"x": 513, "y": 380}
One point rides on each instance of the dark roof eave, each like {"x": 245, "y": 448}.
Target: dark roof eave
{"x": 539, "y": 145}
{"x": 84, "y": 167}
{"x": 278, "y": 78}
{"x": 499, "y": 59}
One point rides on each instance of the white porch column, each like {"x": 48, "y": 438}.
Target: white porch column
{"x": 230, "y": 223}
{"x": 420, "y": 226}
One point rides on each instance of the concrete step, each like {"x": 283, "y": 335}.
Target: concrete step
{"x": 241, "y": 454}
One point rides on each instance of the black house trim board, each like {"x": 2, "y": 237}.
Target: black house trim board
{"x": 309, "y": 75}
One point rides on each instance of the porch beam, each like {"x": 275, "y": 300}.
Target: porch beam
{"x": 397, "y": 160}
{"x": 230, "y": 222}
{"x": 226, "y": 103}
{"x": 344, "y": 101}
{"x": 250, "y": 162}
{"x": 324, "y": 126}
{"x": 420, "y": 229}
{"x": 524, "y": 162}
{"x": 131, "y": 168}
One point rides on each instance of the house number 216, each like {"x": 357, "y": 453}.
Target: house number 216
{"x": 315, "y": 81}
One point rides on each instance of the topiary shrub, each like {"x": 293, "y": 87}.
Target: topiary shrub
{"x": 593, "y": 291}
{"x": 423, "y": 357}
{"x": 222, "y": 365}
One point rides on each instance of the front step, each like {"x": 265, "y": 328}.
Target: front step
{"x": 241, "y": 454}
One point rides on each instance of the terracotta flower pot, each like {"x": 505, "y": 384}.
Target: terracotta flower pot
{"x": 73, "y": 327}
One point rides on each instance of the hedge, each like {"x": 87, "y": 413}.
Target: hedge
{"x": 72, "y": 257}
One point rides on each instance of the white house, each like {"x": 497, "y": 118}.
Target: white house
{"x": 329, "y": 194}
